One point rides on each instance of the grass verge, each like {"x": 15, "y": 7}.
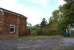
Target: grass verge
{"x": 8, "y": 37}
{"x": 38, "y": 37}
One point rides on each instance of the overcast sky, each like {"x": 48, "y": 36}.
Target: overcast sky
{"x": 34, "y": 10}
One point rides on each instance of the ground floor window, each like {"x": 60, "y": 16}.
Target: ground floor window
{"x": 12, "y": 28}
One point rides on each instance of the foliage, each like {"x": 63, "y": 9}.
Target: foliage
{"x": 58, "y": 21}
{"x": 68, "y": 13}
{"x": 40, "y": 29}
{"x": 65, "y": 14}
{"x": 35, "y": 29}
{"x": 43, "y": 27}
{"x": 55, "y": 26}
{"x": 68, "y": 10}
{"x": 43, "y": 23}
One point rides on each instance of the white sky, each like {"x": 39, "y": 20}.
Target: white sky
{"x": 35, "y": 12}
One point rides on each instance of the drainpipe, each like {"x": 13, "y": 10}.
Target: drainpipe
{"x": 17, "y": 27}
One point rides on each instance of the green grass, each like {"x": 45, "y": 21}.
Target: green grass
{"x": 38, "y": 37}
{"x": 33, "y": 37}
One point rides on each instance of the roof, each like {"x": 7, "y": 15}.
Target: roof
{"x": 14, "y": 13}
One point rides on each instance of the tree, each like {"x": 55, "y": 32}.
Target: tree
{"x": 68, "y": 13}
{"x": 57, "y": 21}
{"x": 63, "y": 16}
{"x": 36, "y": 29}
{"x": 43, "y": 23}
{"x": 43, "y": 26}
{"x": 39, "y": 28}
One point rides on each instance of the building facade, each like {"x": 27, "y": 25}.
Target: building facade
{"x": 12, "y": 23}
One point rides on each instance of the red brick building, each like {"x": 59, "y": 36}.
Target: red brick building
{"x": 12, "y": 23}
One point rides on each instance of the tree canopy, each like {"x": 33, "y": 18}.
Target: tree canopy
{"x": 43, "y": 23}
{"x": 64, "y": 15}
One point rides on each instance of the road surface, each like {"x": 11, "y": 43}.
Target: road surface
{"x": 56, "y": 43}
{"x": 68, "y": 41}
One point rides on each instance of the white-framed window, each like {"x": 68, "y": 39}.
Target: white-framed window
{"x": 12, "y": 28}
{"x": 1, "y": 12}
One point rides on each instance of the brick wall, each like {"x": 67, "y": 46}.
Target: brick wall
{"x": 19, "y": 21}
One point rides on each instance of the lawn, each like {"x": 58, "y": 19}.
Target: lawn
{"x": 8, "y": 37}
{"x": 38, "y": 37}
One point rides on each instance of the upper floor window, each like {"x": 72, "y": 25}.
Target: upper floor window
{"x": 12, "y": 28}
{"x": 1, "y": 12}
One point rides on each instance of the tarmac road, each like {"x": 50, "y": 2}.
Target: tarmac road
{"x": 42, "y": 44}
{"x": 68, "y": 41}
